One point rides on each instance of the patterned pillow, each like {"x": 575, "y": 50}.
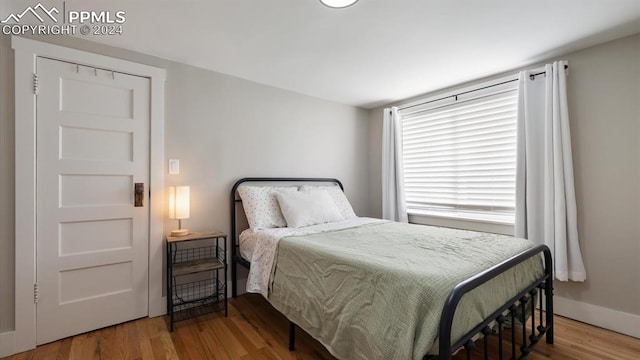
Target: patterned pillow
{"x": 338, "y": 197}
{"x": 261, "y": 207}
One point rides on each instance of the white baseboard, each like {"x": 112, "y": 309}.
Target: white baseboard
{"x": 7, "y": 343}
{"x": 618, "y": 321}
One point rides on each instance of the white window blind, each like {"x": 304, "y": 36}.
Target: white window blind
{"x": 459, "y": 155}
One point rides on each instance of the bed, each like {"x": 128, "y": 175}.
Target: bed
{"x": 367, "y": 288}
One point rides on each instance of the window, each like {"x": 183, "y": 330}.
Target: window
{"x": 459, "y": 154}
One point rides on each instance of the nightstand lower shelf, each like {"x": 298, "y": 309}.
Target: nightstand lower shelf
{"x": 197, "y": 298}
{"x": 196, "y": 311}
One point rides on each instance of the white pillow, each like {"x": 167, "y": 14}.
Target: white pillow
{"x": 261, "y": 207}
{"x": 304, "y": 208}
{"x": 338, "y": 197}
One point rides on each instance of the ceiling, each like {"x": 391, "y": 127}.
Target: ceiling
{"x": 369, "y": 54}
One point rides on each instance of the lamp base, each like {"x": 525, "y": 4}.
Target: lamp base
{"x": 180, "y": 232}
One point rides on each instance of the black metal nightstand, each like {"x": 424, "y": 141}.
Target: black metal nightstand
{"x": 195, "y": 263}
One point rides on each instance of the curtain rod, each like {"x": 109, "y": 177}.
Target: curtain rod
{"x": 531, "y": 76}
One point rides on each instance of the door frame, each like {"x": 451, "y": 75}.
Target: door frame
{"x": 26, "y": 52}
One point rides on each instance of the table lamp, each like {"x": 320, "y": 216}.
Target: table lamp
{"x": 179, "y": 207}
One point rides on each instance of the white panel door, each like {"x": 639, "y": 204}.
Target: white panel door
{"x": 92, "y": 242}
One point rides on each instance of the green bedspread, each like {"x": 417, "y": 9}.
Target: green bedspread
{"x": 377, "y": 291}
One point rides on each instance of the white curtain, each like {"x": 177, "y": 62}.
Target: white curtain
{"x": 393, "y": 201}
{"x": 545, "y": 195}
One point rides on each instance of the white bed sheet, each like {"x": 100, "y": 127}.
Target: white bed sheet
{"x": 259, "y": 247}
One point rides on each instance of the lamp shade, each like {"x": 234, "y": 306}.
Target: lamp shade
{"x": 179, "y": 202}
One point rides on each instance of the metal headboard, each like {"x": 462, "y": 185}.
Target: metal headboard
{"x": 235, "y": 201}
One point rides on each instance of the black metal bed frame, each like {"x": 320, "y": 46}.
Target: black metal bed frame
{"x": 513, "y": 311}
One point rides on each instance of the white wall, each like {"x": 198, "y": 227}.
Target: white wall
{"x": 604, "y": 111}
{"x": 221, "y": 128}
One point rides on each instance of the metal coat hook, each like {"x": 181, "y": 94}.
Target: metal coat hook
{"x": 113, "y": 75}
{"x": 95, "y": 71}
{"x": 77, "y": 68}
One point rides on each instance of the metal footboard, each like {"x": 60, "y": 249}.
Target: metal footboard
{"x": 515, "y": 309}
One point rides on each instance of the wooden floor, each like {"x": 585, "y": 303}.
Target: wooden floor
{"x": 254, "y": 330}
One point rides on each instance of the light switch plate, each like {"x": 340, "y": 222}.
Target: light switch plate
{"x": 174, "y": 167}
